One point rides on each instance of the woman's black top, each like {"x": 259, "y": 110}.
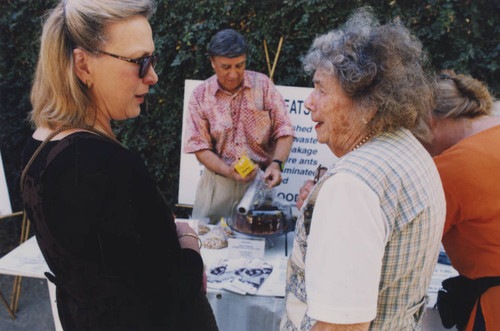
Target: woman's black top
{"x": 110, "y": 239}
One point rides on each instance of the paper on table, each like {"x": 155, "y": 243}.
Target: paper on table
{"x": 246, "y": 247}
{"x": 252, "y": 275}
{"x": 220, "y": 274}
{"x": 242, "y": 276}
{"x": 25, "y": 260}
{"x": 275, "y": 284}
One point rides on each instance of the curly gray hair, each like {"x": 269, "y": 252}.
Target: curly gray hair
{"x": 380, "y": 67}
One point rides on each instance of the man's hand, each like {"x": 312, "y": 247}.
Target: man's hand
{"x": 272, "y": 176}
{"x": 304, "y": 192}
{"x": 214, "y": 163}
{"x": 234, "y": 175}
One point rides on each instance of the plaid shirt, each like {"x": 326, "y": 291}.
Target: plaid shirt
{"x": 245, "y": 123}
{"x": 399, "y": 170}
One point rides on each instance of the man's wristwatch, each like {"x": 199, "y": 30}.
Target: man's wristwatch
{"x": 280, "y": 163}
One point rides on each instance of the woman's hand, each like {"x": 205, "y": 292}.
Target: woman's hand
{"x": 187, "y": 241}
{"x": 204, "y": 281}
{"x": 304, "y": 192}
{"x": 308, "y": 185}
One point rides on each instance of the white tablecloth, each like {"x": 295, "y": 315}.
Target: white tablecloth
{"x": 256, "y": 312}
{"x": 232, "y": 311}
{"x": 27, "y": 260}
{"x": 252, "y": 312}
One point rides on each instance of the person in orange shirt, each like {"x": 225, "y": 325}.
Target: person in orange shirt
{"x": 466, "y": 149}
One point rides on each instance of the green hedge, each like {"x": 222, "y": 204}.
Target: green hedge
{"x": 463, "y": 35}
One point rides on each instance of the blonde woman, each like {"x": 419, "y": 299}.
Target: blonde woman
{"x": 116, "y": 256}
{"x": 466, "y": 150}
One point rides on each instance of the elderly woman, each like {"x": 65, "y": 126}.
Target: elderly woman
{"x": 466, "y": 142}
{"x": 367, "y": 238}
{"x": 118, "y": 259}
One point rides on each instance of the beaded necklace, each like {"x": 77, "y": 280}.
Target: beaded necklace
{"x": 365, "y": 139}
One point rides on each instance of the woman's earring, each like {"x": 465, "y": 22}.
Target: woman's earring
{"x": 88, "y": 83}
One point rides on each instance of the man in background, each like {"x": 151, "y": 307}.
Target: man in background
{"x": 234, "y": 113}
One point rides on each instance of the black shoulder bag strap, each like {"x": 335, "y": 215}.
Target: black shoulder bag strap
{"x": 55, "y": 133}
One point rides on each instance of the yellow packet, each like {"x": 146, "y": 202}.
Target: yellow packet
{"x": 244, "y": 166}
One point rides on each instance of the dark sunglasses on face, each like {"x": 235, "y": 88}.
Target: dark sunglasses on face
{"x": 143, "y": 62}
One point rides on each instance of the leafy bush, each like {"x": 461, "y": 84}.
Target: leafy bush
{"x": 463, "y": 35}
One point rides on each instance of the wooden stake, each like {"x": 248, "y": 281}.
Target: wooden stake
{"x": 267, "y": 59}
{"x": 276, "y": 58}
{"x": 16, "y": 289}
{"x": 271, "y": 70}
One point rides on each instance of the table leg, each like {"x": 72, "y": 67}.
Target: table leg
{"x": 16, "y": 291}
{"x": 6, "y": 304}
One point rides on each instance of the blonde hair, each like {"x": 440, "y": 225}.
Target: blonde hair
{"x": 461, "y": 96}
{"x": 58, "y": 96}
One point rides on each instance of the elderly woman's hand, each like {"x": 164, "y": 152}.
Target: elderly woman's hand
{"x": 308, "y": 185}
{"x": 304, "y": 192}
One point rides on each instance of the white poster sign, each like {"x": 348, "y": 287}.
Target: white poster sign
{"x": 306, "y": 154}
{"x": 5, "y": 208}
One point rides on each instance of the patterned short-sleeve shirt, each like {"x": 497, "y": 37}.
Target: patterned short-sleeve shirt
{"x": 247, "y": 122}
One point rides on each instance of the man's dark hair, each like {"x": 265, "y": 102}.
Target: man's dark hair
{"x": 227, "y": 43}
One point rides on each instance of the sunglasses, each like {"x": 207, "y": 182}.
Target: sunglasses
{"x": 144, "y": 62}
